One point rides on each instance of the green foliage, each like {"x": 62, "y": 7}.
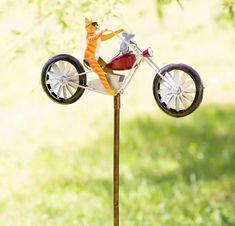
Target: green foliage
{"x": 66, "y": 12}
{"x": 227, "y": 14}
{"x": 60, "y": 23}
{"x": 63, "y": 19}
{"x": 162, "y": 3}
{"x": 172, "y": 173}
{"x": 51, "y": 24}
{"x": 230, "y": 7}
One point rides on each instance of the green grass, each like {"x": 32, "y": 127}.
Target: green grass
{"x": 172, "y": 172}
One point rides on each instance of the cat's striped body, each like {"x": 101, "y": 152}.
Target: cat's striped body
{"x": 93, "y": 44}
{"x": 92, "y": 53}
{"x": 92, "y": 56}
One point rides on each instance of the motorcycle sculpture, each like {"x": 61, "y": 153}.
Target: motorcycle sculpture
{"x": 177, "y": 88}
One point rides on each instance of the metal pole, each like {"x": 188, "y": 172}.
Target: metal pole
{"x": 116, "y": 160}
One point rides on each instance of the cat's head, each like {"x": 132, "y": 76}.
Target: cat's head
{"x": 90, "y": 25}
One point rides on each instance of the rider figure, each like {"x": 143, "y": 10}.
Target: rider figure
{"x": 91, "y": 55}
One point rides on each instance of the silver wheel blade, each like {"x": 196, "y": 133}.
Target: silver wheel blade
{"x": 53, "y": 74}
{"x": 74, "y": 78}
{"x": 171, "y": 101}
{"x": 59, "y": 91}
{"x": 165, "y": 84}
{"x": 189, "y": 91}
{"x": 184, "y": 102}
{"x": 183, "y": 78}
{"x": 68, "y": 67}
{"x": 73, "y": 84}
{"x": 167, "y": 81}
{"x": 188, "y": 83}
{"x": 54, "y": 87}
{"x": 176, "y": 76}
{"x": 164, "y": 91}
{"x": 166, "y": 98}
{"x": 188, "y": 97}
{"x": 170, "y": 79}
{"x": 69, "y": 89}
{"x": 177, "y": 103}
{"x": 64, "y": 92}
{"x": 72, "y": 72}
{"x": 62, "y": 67}
{"x": 52, "y": 81}
{"x": 56, "y": 69}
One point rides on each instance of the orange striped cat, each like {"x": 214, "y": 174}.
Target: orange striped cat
{"x": 92, "y": 51}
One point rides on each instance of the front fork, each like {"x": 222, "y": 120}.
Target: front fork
{"x": 154, "y": 66}
{"x": 157, "y": 70}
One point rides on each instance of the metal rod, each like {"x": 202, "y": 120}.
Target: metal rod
{"x": 116, "y": 160}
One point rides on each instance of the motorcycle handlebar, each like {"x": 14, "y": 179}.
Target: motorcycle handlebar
{"x": 129, "y": 42}
{"x": 127, "y": 33}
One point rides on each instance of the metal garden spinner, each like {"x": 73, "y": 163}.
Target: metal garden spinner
{"x": 177, "y": 88}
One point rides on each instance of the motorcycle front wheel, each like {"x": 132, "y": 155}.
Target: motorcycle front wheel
{"x": 179, "y": 91}
{"x": 60, "y": 79}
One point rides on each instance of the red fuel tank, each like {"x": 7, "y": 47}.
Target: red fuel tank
{"x": 123, "y": 62}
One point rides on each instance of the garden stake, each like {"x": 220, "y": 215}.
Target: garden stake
{"x": 116, "y": 160}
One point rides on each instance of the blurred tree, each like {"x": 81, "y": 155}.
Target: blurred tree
{"x": 61, "y": 16}
{"x": 67, "y": 12}
{"x": 225, "y": 13}
{"x": 160, "y": 6}
{"x": 67, "y": 16}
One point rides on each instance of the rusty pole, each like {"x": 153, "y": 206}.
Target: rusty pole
{"x": 116, "y": 160}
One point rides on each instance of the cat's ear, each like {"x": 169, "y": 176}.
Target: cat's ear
{"x": 87, "y": 21}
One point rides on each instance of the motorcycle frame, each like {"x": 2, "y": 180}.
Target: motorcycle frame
{"x": 139, "y": 59}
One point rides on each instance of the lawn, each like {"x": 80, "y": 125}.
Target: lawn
{"x": 171, "y": 173}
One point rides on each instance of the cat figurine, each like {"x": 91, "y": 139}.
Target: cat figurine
{"x": 91, "y": 55}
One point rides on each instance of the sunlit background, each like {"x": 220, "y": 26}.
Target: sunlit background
{"x": 56, "y": 161}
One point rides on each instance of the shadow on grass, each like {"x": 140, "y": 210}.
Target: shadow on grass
{"x": 197, "y": 147}
{"x": 201, "y": 146}
{"x": 178, "y": 170}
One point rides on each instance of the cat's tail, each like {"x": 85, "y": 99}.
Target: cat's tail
{"x": 99, "y": 71}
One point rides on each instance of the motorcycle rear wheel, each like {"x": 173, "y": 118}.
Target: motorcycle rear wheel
{"x": 60, "y": 79}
